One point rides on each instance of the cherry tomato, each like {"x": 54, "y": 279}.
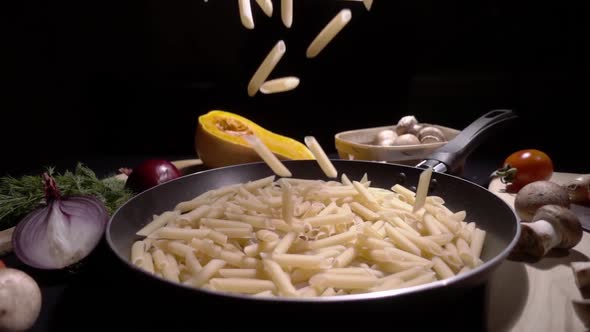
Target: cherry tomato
{"x": 2, "y": 265}
{"x": 523, "y": 167}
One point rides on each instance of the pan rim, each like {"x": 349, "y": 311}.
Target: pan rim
{"x": 484, "y": 269}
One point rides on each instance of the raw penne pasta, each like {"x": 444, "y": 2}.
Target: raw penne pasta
{"x": 266, "y": 67}
{"x": 157, "y": 222}
{"x": 441, "y": 268}
{"x": 327, "y": 34}
{"x": 308, "y": 238}
{"x": 183, "y": 234}
{"x": 266, "y": 6}
{"x": 147, "y": 263}
{"x": 344, "y": 281}
{"x": 278, "y": 85}
{"x": 285, "y": 243}
{"x": 287, "y": 12}
{"x": 207, "y": 272}
{"x": 246, "y": 14}
{"x": 400, "y": 240}
{"x": 269, "y": 158}
{"x": 242, "y": 285}
{"x": 238, "y": 273}
{"x": 422, "y": 190}
{"x": 137, "y": 253}
{"x": 331, "y": 219}
{"x": 313, "y": 262}
{"x": 321, "y": 157}
{"x": 288, "y": 202}
{"x": 477, "y": 240}
{"x": 279, "y": 277}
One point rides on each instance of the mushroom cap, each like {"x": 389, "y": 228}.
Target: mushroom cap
{"x": 579, "y": 189}
{"x": 406, "y": 139}
{"x": 565, "y": 223}
{"x": 431, "y": 131}
{"x": 406, "y": 124}
{"x": 20, "y": 300}
{"x": 537, "y": 194}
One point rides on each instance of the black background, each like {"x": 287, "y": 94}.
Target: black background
{"x": 92, "y": 78}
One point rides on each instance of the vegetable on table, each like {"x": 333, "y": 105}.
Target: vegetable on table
{"x": 579, "y": 189}
{"x": 20, "y": 300}
{"x": 21, "y": 196}
{"x": 552, "y": 226}
{"x": 2, "y": 265}
{"x": 536, "y": 194}
{"x": 523, "y": 167}
{"x": 61, "y": 232}
{"x": 219, "y": 141}
{"x": 151, "y": 173}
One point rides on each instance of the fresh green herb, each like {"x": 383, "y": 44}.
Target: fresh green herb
{"x": 20, "y": 196}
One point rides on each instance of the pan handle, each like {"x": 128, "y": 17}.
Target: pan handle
{"x": 451, "y": 155}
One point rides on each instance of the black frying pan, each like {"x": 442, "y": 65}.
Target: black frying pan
{"x": 486, "y": 209}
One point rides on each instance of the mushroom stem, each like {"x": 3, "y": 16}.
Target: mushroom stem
{"x": 532, "y": 244}
{"x": 546, "y": 233}
{"x": 582, "y": 277}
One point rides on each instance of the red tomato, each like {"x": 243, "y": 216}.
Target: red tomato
{"x": 2, "y": 265}
{"x": 523, "y": 167}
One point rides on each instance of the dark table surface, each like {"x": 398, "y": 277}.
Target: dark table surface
{"x": 101, "y": 294}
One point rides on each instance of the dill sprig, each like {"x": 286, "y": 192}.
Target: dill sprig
{"x": 20, "y": 196}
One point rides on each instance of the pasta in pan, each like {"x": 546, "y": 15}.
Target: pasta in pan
{"x": 292, "y": 237}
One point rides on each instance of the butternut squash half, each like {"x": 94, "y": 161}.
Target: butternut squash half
{"x": 219, "y": 141}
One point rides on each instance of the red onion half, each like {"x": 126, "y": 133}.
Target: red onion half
{"x": 62, "y": 232}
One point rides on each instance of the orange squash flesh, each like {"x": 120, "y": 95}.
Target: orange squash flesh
{"x": 219, "y": 141}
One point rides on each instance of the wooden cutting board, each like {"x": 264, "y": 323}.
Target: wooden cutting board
{"x": 536, "y": 296}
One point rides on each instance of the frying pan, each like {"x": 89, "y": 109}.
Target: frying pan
{"x": 489, "y": 212}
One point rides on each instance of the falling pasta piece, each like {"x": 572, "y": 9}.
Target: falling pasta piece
{"x": 321, "y": 157}
{"x": 246, "y": 14}
{"x": 266, "y": 67}
{"x": 287, "y": 12}
{"x": 269, "y": 158}
{"x": 328, "y": 33}
{"x": 422, "y": 189}
{"x": 282, "y": 84}
{"x": 266, "y": 6}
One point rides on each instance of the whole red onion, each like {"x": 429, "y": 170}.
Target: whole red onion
{"x": 151, "y": 173}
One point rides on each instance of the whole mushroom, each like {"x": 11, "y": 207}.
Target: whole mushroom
{"x": 430, "y": 134}
{"x": 406, "y": 139}
{"x": 552, "y": 226}
{"x": 537, "y": 194}
{"x": 579, "y": 189}
{"x": 20, "y": 300}
{"x": 385, "y": 137}
{"x": 408, "y": 125}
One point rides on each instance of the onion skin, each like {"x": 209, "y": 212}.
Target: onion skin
{"x": 61, "y": 233}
